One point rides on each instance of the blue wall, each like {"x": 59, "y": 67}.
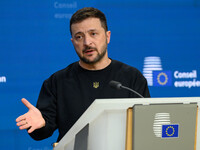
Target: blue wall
{"x": 35, "y": 42}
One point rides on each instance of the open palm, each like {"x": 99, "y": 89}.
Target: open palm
{"x": 31, "y": 120}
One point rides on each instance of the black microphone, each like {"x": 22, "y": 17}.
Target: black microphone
{"x": 118, "y": 86}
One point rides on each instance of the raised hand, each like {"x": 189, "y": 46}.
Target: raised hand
{"x": 31, "y": 120}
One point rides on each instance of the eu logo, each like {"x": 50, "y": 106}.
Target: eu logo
{"x": 170, "y": 131}
{"x": 162, "y": 78}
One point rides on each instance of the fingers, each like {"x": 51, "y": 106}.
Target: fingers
{"x": 31, "y": 130}
{"x": 22, "y": 122}
{"x": 23, "y": 125}
{"x": 20, "y": 118}
{"x": 31, "y": 120}
{"x": 27, "y": 104}
{"x": 26, "y": 126}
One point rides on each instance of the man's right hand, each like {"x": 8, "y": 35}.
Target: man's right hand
{"x": 31, "y": 120}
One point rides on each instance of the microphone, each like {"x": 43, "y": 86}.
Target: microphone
{"x": 118, "y": 86}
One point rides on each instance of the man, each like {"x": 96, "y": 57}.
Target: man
{"x": 69, "y": 92}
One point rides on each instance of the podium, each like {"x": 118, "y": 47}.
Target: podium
{"x": 103, "y": 126}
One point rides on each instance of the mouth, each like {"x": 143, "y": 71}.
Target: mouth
{"x": 89, "y": 51}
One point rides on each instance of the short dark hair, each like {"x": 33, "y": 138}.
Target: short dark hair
{"x": 88, "y": 12}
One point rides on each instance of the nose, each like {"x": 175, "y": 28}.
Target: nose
{"x": 87, "y": 40}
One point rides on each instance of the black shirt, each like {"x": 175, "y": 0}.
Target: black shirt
{"x": 69, "y": 92}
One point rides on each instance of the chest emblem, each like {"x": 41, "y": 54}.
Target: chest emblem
{"x": 95, "y": 85}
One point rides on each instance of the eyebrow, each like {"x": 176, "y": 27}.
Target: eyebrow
{"x": 83, "y": 32}
{"x": 78, "y": 33}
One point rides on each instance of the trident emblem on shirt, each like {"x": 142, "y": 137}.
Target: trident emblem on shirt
{"x": 95, "y": 85}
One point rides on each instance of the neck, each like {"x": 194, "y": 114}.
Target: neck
{"x": 96, "y": 66}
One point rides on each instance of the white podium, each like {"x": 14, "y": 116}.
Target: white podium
{"x": 107, "y": 122}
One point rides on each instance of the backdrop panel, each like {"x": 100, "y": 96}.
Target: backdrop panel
{"x": 160, "y": 38}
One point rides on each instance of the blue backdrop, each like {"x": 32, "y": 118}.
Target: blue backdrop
{"x": 160, "y": 38}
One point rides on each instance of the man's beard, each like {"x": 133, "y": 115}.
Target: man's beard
{"x": 97, "y": 58}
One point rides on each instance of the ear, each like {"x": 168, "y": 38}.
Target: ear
{"x": 72, "y": 40}
{"x": 108, "y": 34}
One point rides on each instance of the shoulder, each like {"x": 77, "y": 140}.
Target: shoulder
{"x": 131, "y": 77}
{"x": 124, "y": 67}
{"x": 70, "y": 70}
{"x": 127, "y": 71}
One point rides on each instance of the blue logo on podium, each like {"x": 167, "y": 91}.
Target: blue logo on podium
{"x": 170, "y": 131}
